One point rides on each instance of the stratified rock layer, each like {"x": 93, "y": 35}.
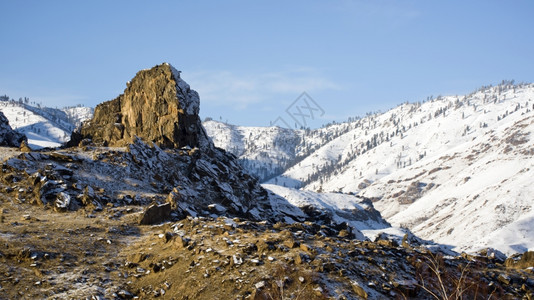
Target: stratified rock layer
{"x": 157, "y": 106}
{"x": 8, "y": 136}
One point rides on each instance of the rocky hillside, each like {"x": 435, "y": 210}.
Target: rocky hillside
{"x": 142, "y": 204}
{"x": 194, "y": 179}
{"x": 107, "y": 255}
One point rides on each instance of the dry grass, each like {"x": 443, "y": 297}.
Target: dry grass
{"x": 288, "y": 282}
{"x": 443, "y": 282}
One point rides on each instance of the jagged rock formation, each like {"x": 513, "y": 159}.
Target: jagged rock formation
{"x": 9, "y": 137}
{"x": 157, "y": 106}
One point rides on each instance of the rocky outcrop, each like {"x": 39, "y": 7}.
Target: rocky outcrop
{"x": 157, "y": 106}
{"x": 155, "y": 214}
{"x": 8, "y": 136}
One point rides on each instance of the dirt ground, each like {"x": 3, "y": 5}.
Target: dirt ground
{"x": 44, "y": 253}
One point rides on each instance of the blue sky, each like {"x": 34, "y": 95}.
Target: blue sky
{"x": 249, "y": 60}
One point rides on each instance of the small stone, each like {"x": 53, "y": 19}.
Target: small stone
{"x": 300, "y": 258}
{"x": 291, "y": 243}
{"x": 181, "y": 242}
{"x": 168, "y": 236}
{"x": 124, "y": 294}
{"x": 155, "y": 214}
{"x": 260, "y": 285}
{"x": 307, "y": 248}
{"x": 505, "y": 279}
{"x": 24, "y": 147}
{"x": 237, "y": 260}
{"x": 318, "y": 291}
{"x": 343, "y": 233}
{"x": 301, "y": 279}
{"x": 358, "y": 290}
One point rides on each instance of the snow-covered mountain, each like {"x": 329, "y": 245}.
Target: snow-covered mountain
{"x": 267, "y": 152}
{"x": 455, "y": 169}
{"x": 44, "y": 126}
{"x": 263, "y": 151}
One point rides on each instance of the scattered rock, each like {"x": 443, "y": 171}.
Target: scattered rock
{"x": 290, "y": 243}
{"x": 505, "y": 279}
{"x": 181, "y": 242}
{"x": 124, "y": 294}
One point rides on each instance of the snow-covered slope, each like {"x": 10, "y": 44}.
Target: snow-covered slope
{"x": 267, "y": 152}
{"x": 478, "y": 194}
{"x": 455, "y": 169}
{"x": 263, "y": 151}
{"x": 44, "y": 127}
{"x": 356, "y": 212}
{"x": 381, "y": 144}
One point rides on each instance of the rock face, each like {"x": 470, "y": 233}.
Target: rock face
{"x": 8, "y": 136}
{"x": 157, "y": 106}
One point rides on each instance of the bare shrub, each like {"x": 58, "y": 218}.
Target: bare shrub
{"x": 453, "y": 282}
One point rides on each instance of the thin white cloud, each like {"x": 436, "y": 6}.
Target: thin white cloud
{"x": 242, "y": 90}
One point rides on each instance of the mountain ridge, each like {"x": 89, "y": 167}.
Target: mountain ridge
{"x": 369, "y": 155}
